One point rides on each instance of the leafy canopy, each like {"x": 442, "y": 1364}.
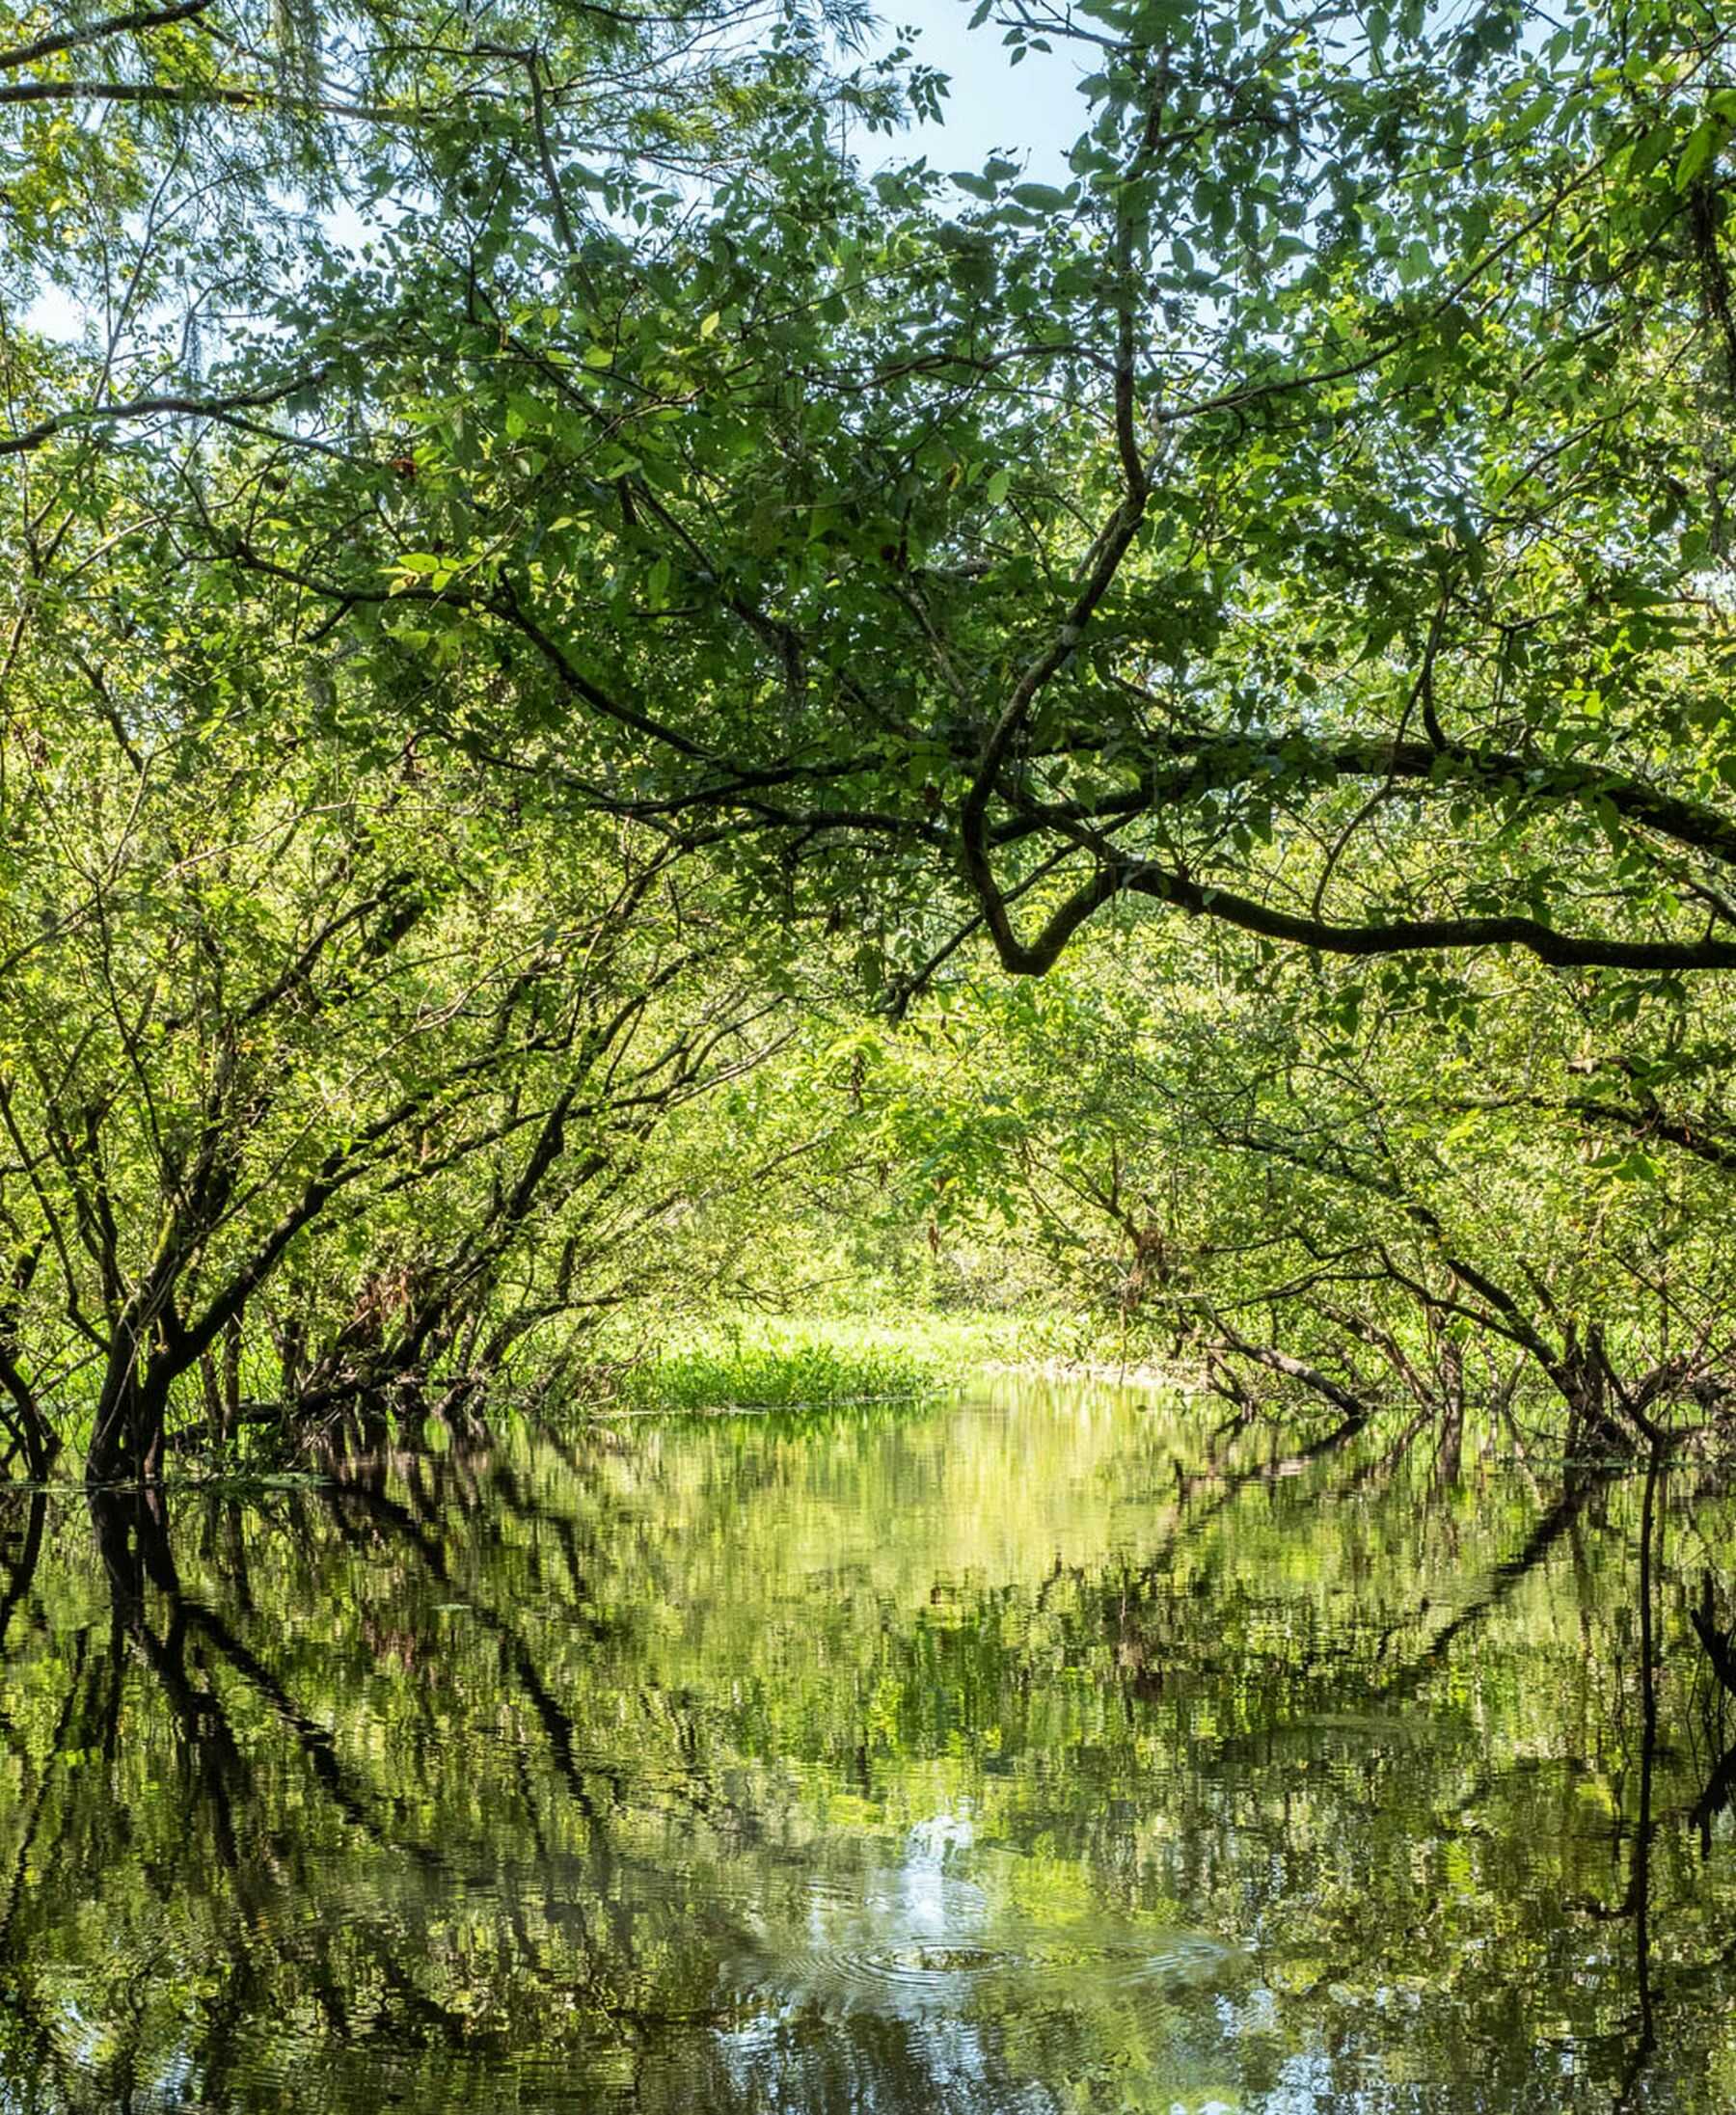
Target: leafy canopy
{"x": 1311, "y": 516}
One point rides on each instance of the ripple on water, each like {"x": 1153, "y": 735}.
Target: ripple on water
{"x": 959, "y": 1957}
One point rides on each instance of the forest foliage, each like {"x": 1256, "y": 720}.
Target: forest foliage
{"x": 619, "y": 691}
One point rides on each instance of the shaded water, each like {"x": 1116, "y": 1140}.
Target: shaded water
{"x": 1011, "y": 1757}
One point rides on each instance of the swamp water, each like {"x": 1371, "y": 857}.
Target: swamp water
{"x": 1012, "y": 1756}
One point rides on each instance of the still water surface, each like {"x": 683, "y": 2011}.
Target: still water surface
{"x": 1017, "y": 1755}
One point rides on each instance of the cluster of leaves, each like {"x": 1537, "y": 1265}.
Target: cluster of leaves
{"x": 1339, "y": 451}
{"x": 1327, "y": 460}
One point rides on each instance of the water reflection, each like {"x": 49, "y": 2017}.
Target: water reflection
{"x": 1030, "y": 1757}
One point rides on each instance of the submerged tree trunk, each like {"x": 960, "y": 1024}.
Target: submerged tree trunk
{"x": 1450, "y": 1446}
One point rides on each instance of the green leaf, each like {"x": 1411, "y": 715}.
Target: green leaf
{"x": 1039, "y": 198}
{"x": 1696, "y": 153}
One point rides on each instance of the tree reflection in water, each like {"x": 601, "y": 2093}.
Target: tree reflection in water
{"x": 1027, "y": 1756}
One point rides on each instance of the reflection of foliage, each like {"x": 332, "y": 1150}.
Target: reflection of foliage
{"x": 1016, "y": 1747}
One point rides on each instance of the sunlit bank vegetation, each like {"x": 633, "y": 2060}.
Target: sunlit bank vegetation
{"x": 773, "y": 1369}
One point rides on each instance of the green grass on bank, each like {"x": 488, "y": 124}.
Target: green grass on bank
{"x": 760, "y": 1364}
{"x": 770, "y": 1363}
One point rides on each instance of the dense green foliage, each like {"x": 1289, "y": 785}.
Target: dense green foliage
{"x": 628, "y": 708}
{"x": 1338, "y": 1195}
{"x": 542, "y": 575}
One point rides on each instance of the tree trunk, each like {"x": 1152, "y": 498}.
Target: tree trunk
{"x": 127, "y": 1438}
{"x": 1449, "y": 1448}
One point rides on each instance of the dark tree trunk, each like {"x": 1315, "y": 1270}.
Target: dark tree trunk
{"x": 127, "y": 1437}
